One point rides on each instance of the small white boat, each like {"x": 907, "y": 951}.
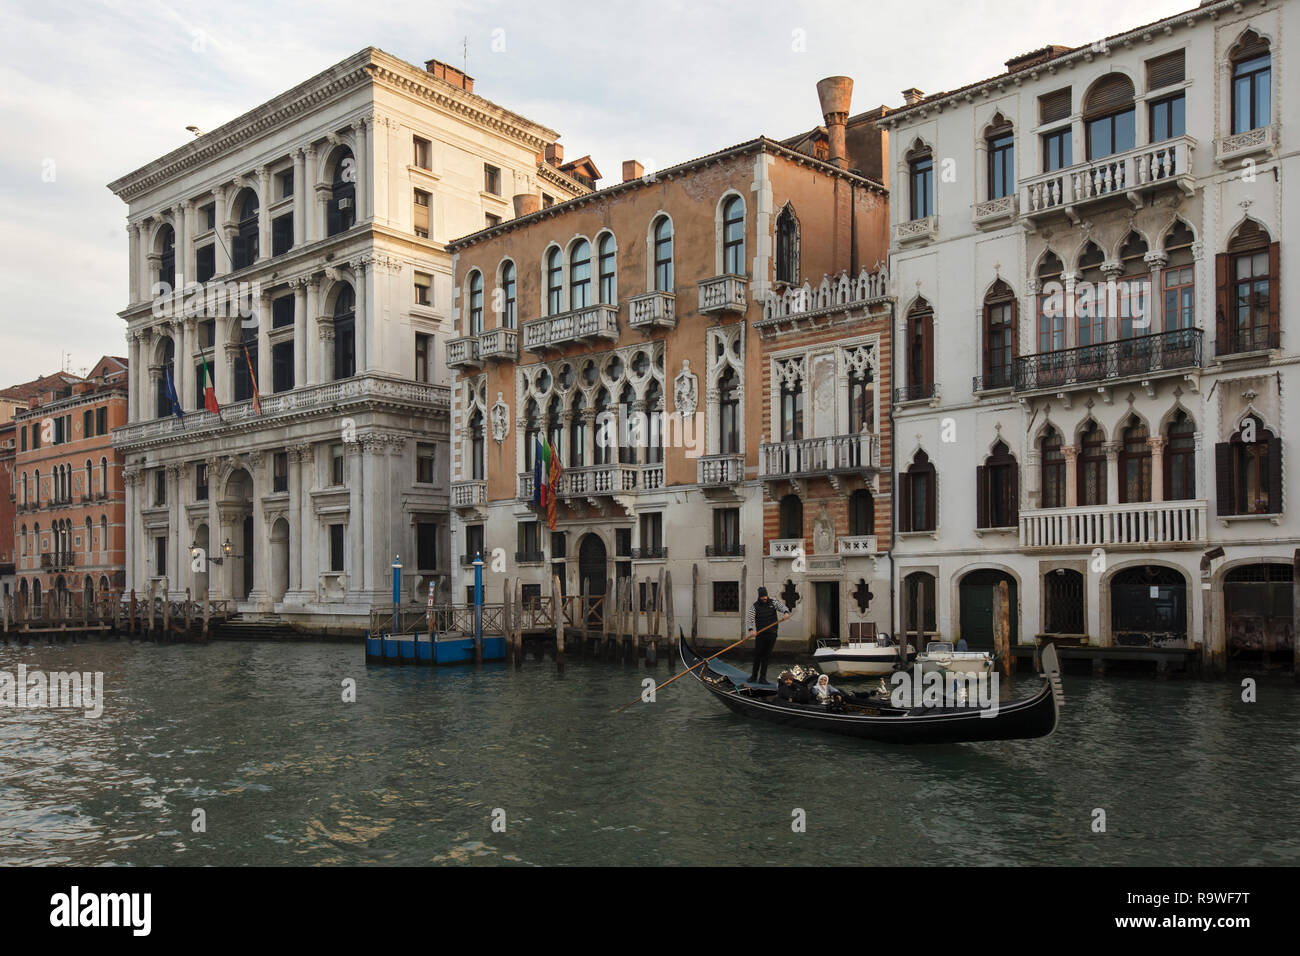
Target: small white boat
{"x": 859, "y": 658}
{"x": 941, "y": 656}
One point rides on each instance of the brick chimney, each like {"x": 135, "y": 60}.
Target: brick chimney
{"x": 912, "y": 96}
{"x": 835, "y": 92}
{"x": 526, "y": 203}
{"x": 555, "y": 155}
{"x": 632, "y": 170}
{"x": 445, "y": 71}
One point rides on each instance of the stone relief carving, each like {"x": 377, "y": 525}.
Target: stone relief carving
{"x": 500, "y": 418}
{"x": 686, "y": 390}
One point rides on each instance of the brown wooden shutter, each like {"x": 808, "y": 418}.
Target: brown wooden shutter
{"x": 931, "y": 496}
{"x": 1014, "y": 492}
{"x": 905, "y": 502}
{"x": 1224, "y": 504}
{"x": 981, "y": 496}
{"x": 1111, "y": 93}
{"x": 1054, "y": 106}
{"x": 1275, "y": 476}
{"x": 927, "y": 338}
{"x": 1222, "y": 344}
{"x": 1274, "y": 295}
{"x": 1165, "y": 70}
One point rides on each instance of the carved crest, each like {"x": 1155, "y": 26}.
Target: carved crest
{"x": 686, "y": 390}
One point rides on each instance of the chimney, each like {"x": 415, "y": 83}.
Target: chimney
{"x": 555, "y": 154}
{"x": 526, "y": 203}
{"x": 912, "y": 96}
{"x": 455, "y": 77}
{"x": 632, "y": 170}
{"x": 834, "y": 92}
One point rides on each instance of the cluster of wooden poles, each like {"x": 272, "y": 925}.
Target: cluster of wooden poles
{"x": 120, "y": 614}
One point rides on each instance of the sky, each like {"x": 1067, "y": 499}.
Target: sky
{"x": 92, "y": 90}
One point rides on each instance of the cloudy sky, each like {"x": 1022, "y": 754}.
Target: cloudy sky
{"x": 92, "y": 90}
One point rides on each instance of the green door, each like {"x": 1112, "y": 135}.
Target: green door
{"x": 977, "y": 615}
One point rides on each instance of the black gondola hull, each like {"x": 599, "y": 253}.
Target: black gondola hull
{"x": 1036, "y": 716}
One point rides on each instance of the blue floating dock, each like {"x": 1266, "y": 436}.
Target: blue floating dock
{"x": 386, "y": 648}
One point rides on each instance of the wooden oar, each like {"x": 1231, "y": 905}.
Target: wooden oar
{"x": 698, "y": 663}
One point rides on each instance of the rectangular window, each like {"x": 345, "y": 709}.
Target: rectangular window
{"x": 547, "y": 201}
{"x": 281, "y": 234}
{"x": 160, "y": 556}
{"x": 726, "y": 597}
{"x": 280, "y": 472}
{"x": 423, "y": 353}
{"x": 1251, "y": 94}
{"x": 336, "y": 546}
{"x": 1168, "y": 118}
{"x": 286, "y": 184}
{"x": 88, "y": 424}
{"x": 559, "y": 545}
{"x": 1002, "y": 172}
{"x": 205, "y": 262}
{"x": 473, "y": 542}
{"x": 201, "y": 481}
{"x": 1180, "y": 310}
{"x": 420, "y": 214}
{"x": 423, "y": 289}
{"x": 424, "y": 464}
{"x": 282, "y": 367}
{"x": 922, "y": 187}
{"x": 623, "y": 542}
{"x": 422, "y": 149}
{"x": 101, "y": 420}
{"x": 159, "y": 488}
{"x": 490, "y": 220}
{"x": 336, "y": 465}
{"x": 491, "y": 180}
{"x": 726, "y": 531}
{"x": 36, "y": 436}
{"x": 282, "y": 312}
{"x": 1057, "y": 150}
{"x": 22, "y": 434}
{"x": 426, "y": 545}
{"x": 652, "y": 533}
{"x": 209, "y": 214}
{"x": 1053, "y": 107}
{"x": 245, "y": 368}
{"x": 529, "y": 541}
{"x": 1111, "y": 134}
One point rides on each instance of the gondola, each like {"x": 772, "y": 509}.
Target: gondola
{"x": 874, "y": 718}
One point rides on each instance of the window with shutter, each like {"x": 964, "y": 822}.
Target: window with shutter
{"x": 1165, "y": 70}
{"x": 981, "y": 496}
{"x": 1054, "y": 106}
{"x": 1275, "y": 476}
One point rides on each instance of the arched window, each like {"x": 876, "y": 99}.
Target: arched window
{"x": 37, "y": 485}
{"x": 919, "y": 496}
{"x": 605, "y": 431}
{"x": 1052, "y": 465}
{"x": 90, "y": 537}
{"x": 733, "y": 236}
{"x": 103, "y": 537}
{"x": 475, "y": 304}
{"x": 920, "y": 174}
{"x": 862, "y": 400}
{"x": 1178, "y": 279}
{"x": 24, "y": 488}
{"x": 167, "y": 261}
{"x": 1248, "y": 471}
{"x": 1251, "y": 83}
{"x": 787, "y": 247}
{"x": 532, "y": 433}
{"x": 1090, "y": 466}
{"x": 1090, "y": 301}
{"x": 476, "y": 446}
{"x": 997, "y": 487}
{"x": 580, "y": 275}
{"x": 791, "y": 410}
{"x": 1051, "y": 305}
{"x": 509, "y": 315}
{"x": 654, "y": 401}
{"x": 1247, "y": 285}
{"x": 555, "y": 424}
{"x": 103, "y": 476}
{"x": 244, "y": 249}
{"x": 1109, "y": 116}
{"x": 345, "y": 334}
{"x": 920, "y": 351}
{"x": 1135, "y": 464}
{"x": 728, "y": 412}
{"x": 663, "y": 254}
{"x": 342, "y": 211}
{"x": 90, "y": 479}
{"x": 22, "y": 542}
{"x": 791, "y": 517}
{"x": 607, "y": 268}
{"x": 578, "y": 432}
{"x": 1001, "y": 145}
{"x": 1133, "y": 290}
{"x": 1180, "y": 459}
{"x": 999, "y": 335}
{"x": 554, "y": 283}
{"x": 162, "y": 402}
{"x": 632, "y": 432}
{"x": 862, "y": 513}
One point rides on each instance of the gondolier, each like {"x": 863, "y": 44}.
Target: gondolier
{"x": 761, "y": 621}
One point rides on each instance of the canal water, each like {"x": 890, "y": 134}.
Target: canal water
{"x": 259, "y": 738}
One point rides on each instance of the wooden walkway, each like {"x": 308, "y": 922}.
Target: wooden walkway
{"x": 120, "y": 614}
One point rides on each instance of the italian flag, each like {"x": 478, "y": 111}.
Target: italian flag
{"x": 209, "y": 389}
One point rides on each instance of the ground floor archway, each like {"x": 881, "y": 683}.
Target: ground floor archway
{"x": 1259, "y": 611}
{"x": 976, "y": 594}
{"x": 1148, "y": 605}
{"x": 592, "y": 570}
{"x": 920, "y": 615}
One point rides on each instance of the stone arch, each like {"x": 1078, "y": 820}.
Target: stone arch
{"x": 1105, "y": 622}
{"x": 961, "y": 611}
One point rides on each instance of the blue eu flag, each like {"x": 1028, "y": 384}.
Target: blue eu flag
{"x": 171, "y": 393}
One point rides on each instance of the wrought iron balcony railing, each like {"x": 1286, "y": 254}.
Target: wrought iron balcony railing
{"x": 649, "y": 554}
{"x": 914, "y": 393}
{"x": 994, "y": 378}
{"x": 1242, "y": 341}
{"x": 724, "y": 551}
{"x": 1085, "y": 364}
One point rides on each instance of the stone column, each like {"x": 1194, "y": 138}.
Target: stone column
{"x": 1155, "y": 317}
{"x": 299, "y": 287}
{"x": 372, "y": 505}
{"x": 363, "y": 274}
{"x": 356, "y": 521}
{"x": 263, "y": 214}
{"x": 362, "y": 157}
{"x": 226, "y": 385}
{"x": 222, "y": 231}
{"x": 299, "y": 190}
{"x": 182, "y": 364}
{"x": 185, "y": 251}
{"x": 1070, "y": 279}
{"x": 306, "y": 195}
{"x": 296, "y": 537}
{"x": 1033, "y": 473}
{"x": 257, "y": 467}
{"x": 133, "y": 254}
{"x": 310, "y": 329}
{"x": 1157, "y": 444}
{"x": 264, "y": 383}
{"x": 1071, "y": 453}
{"x": 145, "y": 226}
{"x": 174, "y": 530}
{"x": 216, "y": 538}
{"x": 325, "y": 335}
{"x": 135, "y": 372}
{"x": 129, "y": 482}
{"x": 1112, "y": 272}
{"x": 1112, "y": 472}
{"x": 309, "y": 533}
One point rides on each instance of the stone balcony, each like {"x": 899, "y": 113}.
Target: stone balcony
{"x": 652, "y": 310}
{"x": 590, "y": 481}
{"x": 719, "y": 471}
{"x": 1231, "y": 150}
{"x": 725, "y": 293}
{"x": 994, "y": 213}
{"x": 856, "y": 545}
{"x": 588, "y": 324}
{"x": 468, "y": 495}
{"x": 1144, "y": 524}
{"x": 1132, "y": 174}
{"x": 785, "y": 547}
{"x": 1143, "y": 357}
{"x": 463, "y": 352}
{"x": 499, "y": 345}
{"x": 916, "y": 230}
{"x": 812, "y": 457}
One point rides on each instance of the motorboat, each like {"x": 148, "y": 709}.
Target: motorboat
{"x": 860, "y": 658}
{"x": 942, "y": 656}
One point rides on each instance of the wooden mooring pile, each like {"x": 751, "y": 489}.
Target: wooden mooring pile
{"x": 120, "y": 614}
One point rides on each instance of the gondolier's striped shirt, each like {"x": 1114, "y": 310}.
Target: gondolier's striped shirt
{"x": 776, "y": 603}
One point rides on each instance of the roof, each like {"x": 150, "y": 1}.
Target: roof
{"x": 39, "y": 386}
{"x": 759, "y": 144}
{"x": 1053, "y": 55}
